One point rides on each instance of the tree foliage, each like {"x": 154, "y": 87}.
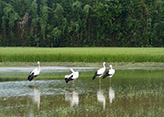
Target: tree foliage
{"x": 79, "y": 23}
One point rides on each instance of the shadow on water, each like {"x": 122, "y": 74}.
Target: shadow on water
{"x": 140, "y": 93}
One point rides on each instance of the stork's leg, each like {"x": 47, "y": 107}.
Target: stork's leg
{"x": 73, "y": 84}
{"x": 110, "y": 81}
{"x": 100, "y": 83}
{"x": 35, "y": 81}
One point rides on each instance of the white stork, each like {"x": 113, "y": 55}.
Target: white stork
{"x": 71, "y": 77}
{"x": 109, "y": 73}
{"x": 99, "y": 73}
{"x": 34, "y": 73}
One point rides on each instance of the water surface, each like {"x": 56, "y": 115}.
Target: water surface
{"x": 129, "y": 93}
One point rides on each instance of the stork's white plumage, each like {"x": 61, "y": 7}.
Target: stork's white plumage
{"x": 71, "y": 77}
{"x": 109, "y": 73}
{"x": 100, "y": 71}
{"x": 34, "y": 73}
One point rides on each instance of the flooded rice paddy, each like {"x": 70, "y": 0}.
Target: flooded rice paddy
{"x": 130, "y": 93}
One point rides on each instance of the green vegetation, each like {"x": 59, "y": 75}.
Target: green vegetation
{"x": 82, "y": 23}
{"x": 94, "y": 54}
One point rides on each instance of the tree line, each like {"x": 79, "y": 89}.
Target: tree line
{"x": 82, "y": 23}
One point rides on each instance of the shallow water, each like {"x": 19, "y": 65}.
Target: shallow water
{"x": 137, "y": 95}
{"x": 47, "y": 69}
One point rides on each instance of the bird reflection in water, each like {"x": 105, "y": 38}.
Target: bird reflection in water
{"x": 72, "y": 97}
{"x": 36, "y": 97}
{"x": 100, "y": 96}
{"x": 35, "y": 100}
{"x": 111, "y": 93}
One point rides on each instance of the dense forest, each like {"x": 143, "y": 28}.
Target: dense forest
{"x": 82, "y": 23}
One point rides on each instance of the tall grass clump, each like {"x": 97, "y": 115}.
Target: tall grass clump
{"x": 88, "y": 54}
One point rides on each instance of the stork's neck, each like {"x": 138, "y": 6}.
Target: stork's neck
{"x": 38, "y": 66}
{"x": 104, "y": 65}
{"x": 72, "y": 70}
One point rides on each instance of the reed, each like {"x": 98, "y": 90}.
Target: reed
{"x": 86, "y": 54}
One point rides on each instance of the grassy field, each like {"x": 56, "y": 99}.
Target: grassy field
{"x": 121, "y": 74}
{"x": 87, "y": 54}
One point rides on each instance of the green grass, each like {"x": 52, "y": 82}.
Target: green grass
{"x": 122, "y": 75}
{"x": 87, "y": 54}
